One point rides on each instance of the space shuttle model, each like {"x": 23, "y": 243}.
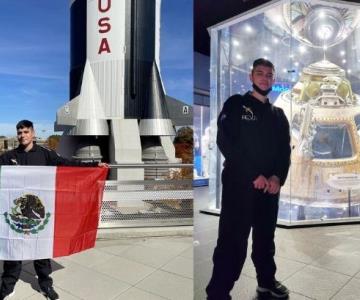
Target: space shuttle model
{"x": 117, "y": 110}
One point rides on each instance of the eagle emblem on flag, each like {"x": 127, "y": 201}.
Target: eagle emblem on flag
{"x": 28, "y": 216}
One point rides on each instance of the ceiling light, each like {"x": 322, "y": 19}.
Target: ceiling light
{"x": 321, "y": 14}
{"x": 248, "y": 28}
{"x": 278, "y": 19}
{"x": 235, "y": 43}
{"x": 302, "y": 49}
{"x": 325, "y": 32}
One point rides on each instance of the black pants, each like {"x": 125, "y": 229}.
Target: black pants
{"x": 243, "y": 208}
{"x": 12, "y": 270}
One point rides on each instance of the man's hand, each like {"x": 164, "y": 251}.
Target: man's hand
{"x": 261, "y": 183}
{"x": 274, "y": 184}
{"x": 103, "y": 165}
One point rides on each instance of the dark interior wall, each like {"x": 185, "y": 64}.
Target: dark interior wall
{"x": 210, "y": 12}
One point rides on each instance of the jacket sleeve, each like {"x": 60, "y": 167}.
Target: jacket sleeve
{"x": 5, "y": 159}
{"x": 284, "y": 149}
{"x": 226, "y": 133}
{"x": 2, "y": 160}
{"x": 57, "y": 160}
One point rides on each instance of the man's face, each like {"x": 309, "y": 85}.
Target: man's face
{"x": 25, "y": 136}
{"x": 263, "y": 77}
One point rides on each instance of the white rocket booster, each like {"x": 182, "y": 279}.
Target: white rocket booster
{"x": 117, "y": 96}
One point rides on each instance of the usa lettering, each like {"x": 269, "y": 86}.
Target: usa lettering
{"x": 104, "y": 25}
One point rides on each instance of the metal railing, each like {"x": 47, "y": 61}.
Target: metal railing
{"x": 166, "y": 200}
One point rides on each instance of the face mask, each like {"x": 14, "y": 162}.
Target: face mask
{"x": 260, "y": 91}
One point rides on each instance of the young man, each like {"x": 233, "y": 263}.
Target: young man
{"x": 30, "y": 154}
{"x": 254, "y": 138}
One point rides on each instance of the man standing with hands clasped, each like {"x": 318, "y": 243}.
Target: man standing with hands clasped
{"x": 28, "y": 153}
{"x": 254, "y": 138}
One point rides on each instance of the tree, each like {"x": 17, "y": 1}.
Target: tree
{"x": 53, "y": 141}
{"x": 184, "y": 144}
{"x": 184, "y": 135}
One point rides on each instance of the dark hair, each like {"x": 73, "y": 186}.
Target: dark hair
{"x": 24, "y": 124}
{"x": 263, "y": 62}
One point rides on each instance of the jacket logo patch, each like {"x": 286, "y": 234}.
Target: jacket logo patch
{"x": 249, "y": 115}
{"x": 28, "y": 215}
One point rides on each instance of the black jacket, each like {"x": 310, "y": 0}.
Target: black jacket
{"x": 254, "y": 138}
{"x": 38, "y": 156}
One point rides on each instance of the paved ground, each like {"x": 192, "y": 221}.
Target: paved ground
{"x": 123, "y": 269}
{"x": 314, "y": 263}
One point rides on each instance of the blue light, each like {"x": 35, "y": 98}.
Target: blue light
{"x": 279, "y": 88}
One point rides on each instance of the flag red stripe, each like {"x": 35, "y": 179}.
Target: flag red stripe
{"x": 77, "y": 206}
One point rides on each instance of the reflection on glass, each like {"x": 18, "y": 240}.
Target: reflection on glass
{"x": 296, "y": 124}
{"x": 331, "y": 142}
{"x": 357, "y": 122}
{"x": 315, "y": 49}
{"x": 201, "y": 141}
{"x": 317, "y": 25}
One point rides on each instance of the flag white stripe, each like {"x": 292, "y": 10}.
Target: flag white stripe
{"x": 16, "y": 181}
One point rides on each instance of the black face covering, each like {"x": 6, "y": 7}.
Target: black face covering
{"x": 260, "y": 91}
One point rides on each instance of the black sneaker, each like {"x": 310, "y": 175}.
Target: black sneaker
{"x": 276, "y": 290}
{"x": 5, "y": 296}
{"x": 50, "y": 293}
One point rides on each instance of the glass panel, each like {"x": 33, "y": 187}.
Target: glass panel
{"x": 296, "y": 124}
{"x": 324, "y": 38}
{"x": 357, "y": 122}
{"x": 233, "y": 50}
{"x": 215, "y": 107}
{"x": 331, "y": 142}
{"x": 314, "y": 46}
{"x": 201, "y": 141}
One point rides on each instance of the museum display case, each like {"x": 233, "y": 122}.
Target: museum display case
{"x": 315, "y": 47}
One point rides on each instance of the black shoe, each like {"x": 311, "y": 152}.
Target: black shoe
{"x": 276, "y": 290}
{"x": 227, "y": 297}
{"x": 50, "y": 293}
{"x": 4, "y": 296}
{"x": 6, "y": 293}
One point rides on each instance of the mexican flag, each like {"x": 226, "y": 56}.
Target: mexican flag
{"x": 48, "y": 212}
